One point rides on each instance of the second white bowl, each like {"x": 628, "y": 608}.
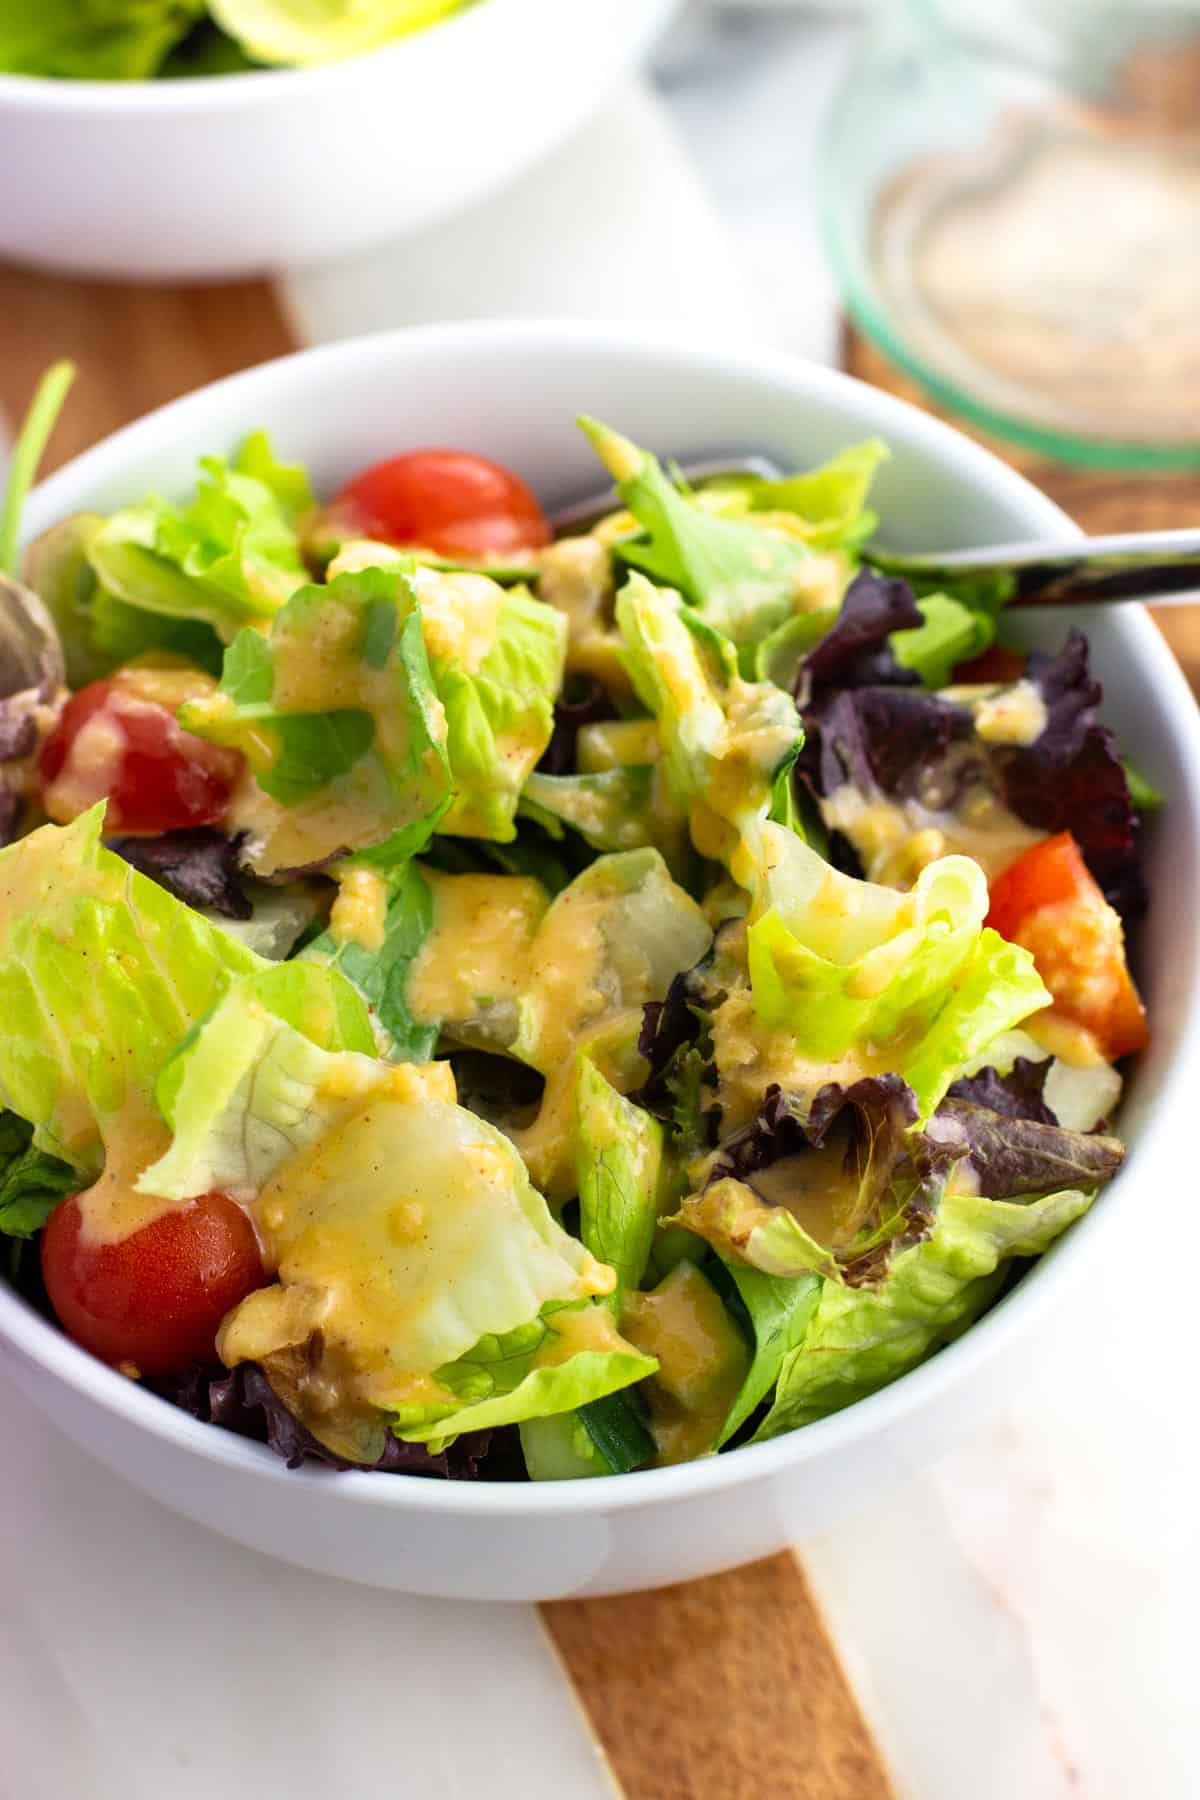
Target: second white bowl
{"x": 230, "y": 175}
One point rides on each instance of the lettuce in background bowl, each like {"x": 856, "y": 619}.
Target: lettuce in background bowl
{"x": 512, "y": 391}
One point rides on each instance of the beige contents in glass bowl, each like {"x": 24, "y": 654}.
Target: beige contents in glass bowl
{"x": 1055, "y": 273}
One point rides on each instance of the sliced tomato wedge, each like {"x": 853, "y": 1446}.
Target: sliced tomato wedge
{"x": 1048, "y": 902}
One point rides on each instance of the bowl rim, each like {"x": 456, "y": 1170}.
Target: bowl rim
{"x": 39, "y": 1342}
{"x": 150, "y": 95}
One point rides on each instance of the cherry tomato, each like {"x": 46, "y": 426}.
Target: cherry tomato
{"x": 113, "y": 742}
{"x": 996, "y": 664}
{"x": 155, "y": 1298}
{"x": 446, "y": 501}
{"x": 1048, "y": 902}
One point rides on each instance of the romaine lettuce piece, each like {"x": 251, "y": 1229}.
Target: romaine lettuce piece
{"x": 860, "y": 1339}
{"x": 609, "y": 943}
{"x": 268, "y": 1072}
{"x": 839, "y": 965}
{"x": 380, "y": 970}
{"x": 566, "y": 1359}
{"x": 94, "y": 40}
{"x": 829, "y": 503}
{"x": 618, "y": 1167}
{"x": 101, "y": 975}
{"x": 404, "y": 1229}
{"x": 950, "y": 633}
{"x": 299, "y": 32}
{"x": 31, "y": 1183}
{"x": 780, "y": 1313}
{"x": 724, "y": 740}
{"x": 408, "y": 1233}
{"x": 230, "y": 557}
{"x": 743, "y": 578}
{"x": 629, "y": 808}
{"x": 496, "y": 658}
{"x": 473, "y": 964}
{"x": 336, "y": 715}
{"x": 703, "y": 1361}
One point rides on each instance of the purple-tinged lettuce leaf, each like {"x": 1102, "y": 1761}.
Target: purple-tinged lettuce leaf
{"x": 199, "y": 866}
{"x": 1071, "y": 778}
{"x": 893, "y": 741}
{"x": 242, "y": 1400}
{"x": 1018, "y": 1095}
{"x": 836, "y": 1187}
{"x": 675, "y": 1040}
{"x": 1009, "y": 1157}
{"x": 855, "y": 651}
{"x": 867, "y": 730}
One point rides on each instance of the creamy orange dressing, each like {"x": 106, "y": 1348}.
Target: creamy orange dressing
{"x": 112, "y": 1209}
{"x": 384, "y": 1234}
{"x": 89, "y": 772}
{"x": 477, "y": 954}
{"x": 163, "y": 680}
{"x": 460, "y": 616}
{"x": 750, "y": 1057}
{"x": 897, "y": 839}
{"x": 702, "y": 1361}
{"x": 544, "y": 1145}
{"x": 816, "y": 1189}
{"x": 359, "y": 913}
{"x": 576, "y": 578}
{"x": 616, "y": 743}
{"x": 1065, "y": 1038}
{"x": 1013, "y": 714}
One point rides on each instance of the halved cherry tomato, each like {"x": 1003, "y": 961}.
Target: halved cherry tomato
{"x": 113, "y": 742}
{"x": 1048, "y": 902}
{"x": 997, "y": 664}
{"x": 447, "y": 501}
{"x": 155, "y": 1298}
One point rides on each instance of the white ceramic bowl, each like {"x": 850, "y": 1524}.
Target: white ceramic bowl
{"x": 511, "y": 391}
{"x": 230, "y": 175}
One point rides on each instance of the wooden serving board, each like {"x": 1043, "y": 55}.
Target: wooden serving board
{"x": 727, "y": 1689}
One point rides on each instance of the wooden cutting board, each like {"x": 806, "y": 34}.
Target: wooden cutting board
{"x": 727, "y": 1689}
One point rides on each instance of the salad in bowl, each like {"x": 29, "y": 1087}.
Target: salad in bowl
{"x": 134, "y": 40}
{"x": 491, "y": 1005}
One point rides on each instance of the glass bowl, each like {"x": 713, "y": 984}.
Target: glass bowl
{"x": 1010, "y": 196}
